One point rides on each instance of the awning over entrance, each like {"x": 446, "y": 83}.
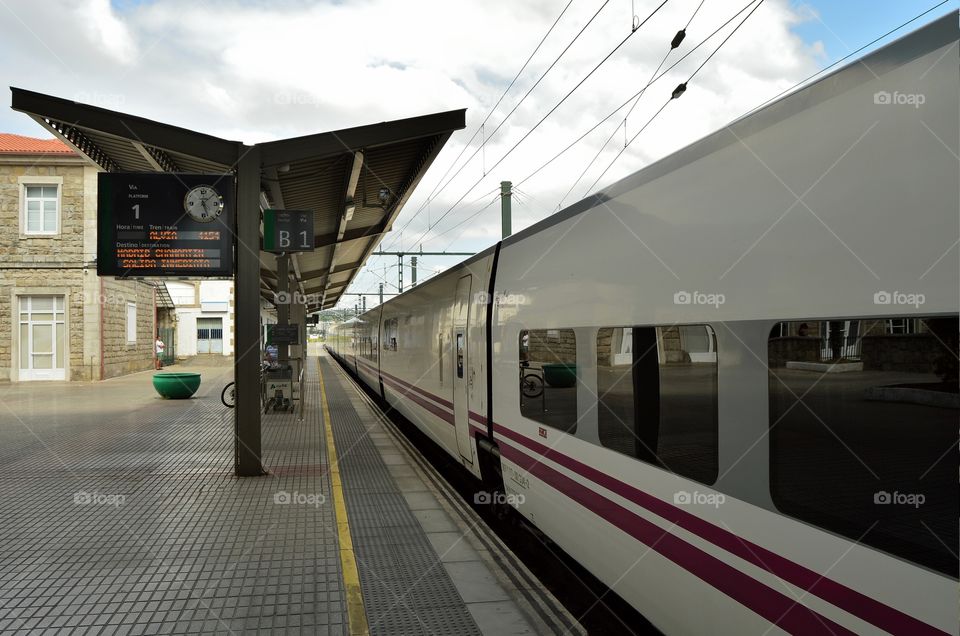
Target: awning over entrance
{"x": 356, "y": 180}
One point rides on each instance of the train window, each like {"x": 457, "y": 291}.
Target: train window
{"x": 657, "y": 396}
{"x": 390, "y": 334}
{"x": 863, "y": 432}
{"x": 368, "y": 348}
{"x": 548, "y": 377}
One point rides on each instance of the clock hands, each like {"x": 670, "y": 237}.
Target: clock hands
{"x": 205, "y": 212}
{"x": 203, "y": 203}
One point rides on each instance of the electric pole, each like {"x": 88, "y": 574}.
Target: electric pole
{"x": 400, "y": 256}
{"x": 505, "y": 211}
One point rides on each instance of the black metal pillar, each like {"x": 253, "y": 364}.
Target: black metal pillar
{"x": 285, "y": 298}
{"x": 247, "y": 294}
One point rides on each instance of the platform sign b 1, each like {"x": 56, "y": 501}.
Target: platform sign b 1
{"x": 288, "y": 231}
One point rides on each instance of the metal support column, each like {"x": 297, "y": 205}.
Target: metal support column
{"x": 505, "y": 208}
{"x": 413, "y": 271}
{"x": 247, "y": 294}
{"x": 283, "y": 307}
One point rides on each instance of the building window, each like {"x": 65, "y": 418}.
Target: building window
{"x": 548, "y": 377}
{"x": 40, "y": 208}
{"x": 657, "y": 396}
{"x": 868, "y": 450}
{"x": 131, "y": 323}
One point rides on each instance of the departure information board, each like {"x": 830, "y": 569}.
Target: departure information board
{"x": 283, "y": 334}
{"x": 164, "y": 224}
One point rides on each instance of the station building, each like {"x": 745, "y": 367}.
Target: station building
{"x": 205, "y": 316}
{"x": 58, "y": 319}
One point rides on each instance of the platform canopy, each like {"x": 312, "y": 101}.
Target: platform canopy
{"x": 355, "y": 180}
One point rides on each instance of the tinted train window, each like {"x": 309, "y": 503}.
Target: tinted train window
{"x": 863, "y": 432}
{"x": 390, "y": 334}
{"x": 657, "y": 396}
{"x": 368, "y": 348}
{"x": 548, "y": 377}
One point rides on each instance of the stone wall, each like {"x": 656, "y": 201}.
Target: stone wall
{"x": 119, "y": 356}
{"x": 793, "y": 348}
{"x": 62, "y": 264}
{"x": 552, "y": 345}
{"x": 64, "y": 248}
{"x": 669, "y": 343}
{"x": 912, "y": 353}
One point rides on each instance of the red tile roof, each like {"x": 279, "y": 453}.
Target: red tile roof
{"x": 20, "y": 145}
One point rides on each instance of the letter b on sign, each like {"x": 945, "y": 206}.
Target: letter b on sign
{"x": 288, "y": 231}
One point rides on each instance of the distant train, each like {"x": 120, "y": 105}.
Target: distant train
{"x": 726, "y": 385}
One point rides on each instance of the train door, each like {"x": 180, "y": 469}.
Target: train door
{"x": 461, "y": 367}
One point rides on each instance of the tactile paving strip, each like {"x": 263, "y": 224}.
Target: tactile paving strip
{"x": 406, "y": 589}
{"x": 189, "y": 548}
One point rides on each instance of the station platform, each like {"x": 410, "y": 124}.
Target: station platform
{"x": 120, "y": 514}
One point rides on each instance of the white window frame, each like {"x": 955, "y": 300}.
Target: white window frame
{"x": 39, "y": 181}
{"x": 132, "y": 324}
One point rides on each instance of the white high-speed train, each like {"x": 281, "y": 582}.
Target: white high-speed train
{"x": 742, "y": 415}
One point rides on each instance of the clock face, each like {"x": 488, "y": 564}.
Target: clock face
{"x": 203, "y": 203}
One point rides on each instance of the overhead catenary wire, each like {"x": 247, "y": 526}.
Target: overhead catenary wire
{"x": 494, "y": 109}
{"x": 518, "y": 195}
{"x": 844, "y": 58}
{"x": 677, "y": 93}
{"x": 674, "y": 43}
{"x": 544, "y": 118}
{"x": 632, "y": 97}
{"x": 658, "y": 77}
{"x": 479, "y": 199}
{"x": 466, "y": 220}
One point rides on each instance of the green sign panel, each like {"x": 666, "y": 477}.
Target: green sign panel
{"x": 288, "y": 231}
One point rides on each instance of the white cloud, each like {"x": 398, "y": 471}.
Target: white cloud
{"x": 259, "y": 71}
{"x": 105, "y": 31}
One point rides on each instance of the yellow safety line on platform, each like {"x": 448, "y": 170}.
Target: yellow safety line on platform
{"x": 356, "y": 613}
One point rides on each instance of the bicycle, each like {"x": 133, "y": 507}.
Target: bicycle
{"x": 229, "y": 394}
{"x": 531, "y": 383}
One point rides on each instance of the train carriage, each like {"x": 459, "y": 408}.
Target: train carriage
{"x": 747, "y": 361}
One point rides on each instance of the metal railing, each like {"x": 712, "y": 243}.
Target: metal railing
{"x": 847, "y": 348}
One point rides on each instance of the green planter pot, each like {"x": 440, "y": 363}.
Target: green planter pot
{"x": 177, "y": 386}
{"x": 560, "y": 376}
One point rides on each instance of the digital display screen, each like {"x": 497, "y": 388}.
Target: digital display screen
{"x": 165, "y": 225}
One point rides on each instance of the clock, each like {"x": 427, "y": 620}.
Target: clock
{"x": 203, "y": 203}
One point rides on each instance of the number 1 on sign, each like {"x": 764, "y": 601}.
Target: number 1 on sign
{"x": 303, "y": 239}
{"x": 136, "y": 211}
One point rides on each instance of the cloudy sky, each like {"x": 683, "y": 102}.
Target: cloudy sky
{"x": 255, "y": 71}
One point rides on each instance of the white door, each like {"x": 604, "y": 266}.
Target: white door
{"x": 462, "y": 375}
{"x": 42, "y": 338}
